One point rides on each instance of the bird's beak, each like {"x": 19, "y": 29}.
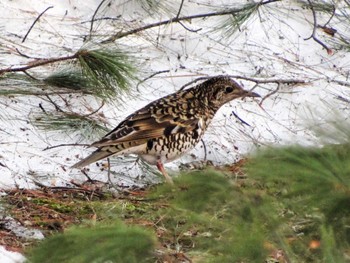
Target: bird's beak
{"x": 250, "y": 94}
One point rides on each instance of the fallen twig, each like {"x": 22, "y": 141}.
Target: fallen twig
{"x": 80, "y": 189}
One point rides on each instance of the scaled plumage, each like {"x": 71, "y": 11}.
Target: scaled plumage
{"x": 168, "y": 127}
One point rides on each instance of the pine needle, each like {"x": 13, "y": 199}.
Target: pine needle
{"x": 109, "y": 71}
{"x": 234, "y": 22}
{"x": 69, "y": 123}
{"x": 69, "y": 79}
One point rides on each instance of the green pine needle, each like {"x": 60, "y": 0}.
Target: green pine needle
{"x": 69, "y": 123}
{"x": 109, "y": 71}
{"x": 19, "y": 84}
{"x": 234, "y": 22}
{"x": 69, "y": 79}
{"x": 155, "y": 7}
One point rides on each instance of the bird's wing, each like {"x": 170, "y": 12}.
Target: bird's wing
{"x": 147, "y": 124}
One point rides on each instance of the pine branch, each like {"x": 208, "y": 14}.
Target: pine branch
{"x": 38, "y": 63}
{"x": 178, "y": 19}
{"x": 100, "y": 72}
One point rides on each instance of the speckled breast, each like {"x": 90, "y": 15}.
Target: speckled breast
{"x": 169, "y": 148}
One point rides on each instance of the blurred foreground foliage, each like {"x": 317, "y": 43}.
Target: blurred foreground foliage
{"x": 312, "y": 189}
{"x": 101, "y": 243}
{"x": 293, "y": 207}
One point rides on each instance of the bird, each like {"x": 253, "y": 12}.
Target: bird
{"x": 168, "y": 127}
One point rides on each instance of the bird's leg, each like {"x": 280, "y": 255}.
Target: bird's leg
{"x": 162, "y": 170}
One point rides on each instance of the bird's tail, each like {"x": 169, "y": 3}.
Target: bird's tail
{"x": 94, "y": 157}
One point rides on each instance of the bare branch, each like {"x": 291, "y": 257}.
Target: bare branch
{"x": 188, "y": 29}
{"x": 205, "y": 149}
{"x": 109, "y": 172}
{"x": 180, "y": 8}
{"x": 240, "y": 119}
{"x": 95, "y": 111}
{"x": 193, "y": 81}
{"x": 65, "y": 144}
{"x": 37, "y": 63}
{"x": 101, "y": 19}
{"x": 22, "y": 54}
{"x": 341, "y": 98}
{"x": 331, "y": 17}
{"x": 58, "y": 108}
{"x": 313, "y": 35}
{"x": 30, "y": 76}
{"x": 151, "y": 76}
{"x": 68, "y": 92}
{"x": 270, "y": 94}
{"x": 255, "y": 80}
{"x": 36, "y": 20}
{"x": 272, "y": 80}
{"x": 340, "y": 82}
{"x": 93, "y": 17}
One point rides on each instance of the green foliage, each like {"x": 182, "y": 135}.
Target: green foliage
{"x": 313, "y": 183}
{"x": 318, "y": 6}
{"x": 104, "y": 73}
{"x": 198, "y": 192}
{"x": 209, "y": 213}
{"x": 70, "y": 79}
{"x": 107, "y": 69}
{"x": 155, "y": 7}
{"x": 235, "y": 21}
{"x": 101, "y": 243}
{"x": 295, "y": 199}
{"x": 19, "y": 84}
{"x": 69, "y": 122}
{"x": 308, "y": 173}
{"x": 329, "y": 248}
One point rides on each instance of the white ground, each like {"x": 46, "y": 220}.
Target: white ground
{"x": 271, "y": 45}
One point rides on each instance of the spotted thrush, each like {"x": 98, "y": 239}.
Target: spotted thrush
{"x": 167, "y": 128}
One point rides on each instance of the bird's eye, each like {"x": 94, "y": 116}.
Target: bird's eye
{"x": 228, "y": 89}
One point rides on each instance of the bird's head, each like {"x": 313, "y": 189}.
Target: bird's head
{"x": 223, "y": 89}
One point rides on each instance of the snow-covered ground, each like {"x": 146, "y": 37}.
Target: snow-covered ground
{"x": 10, "y": 257}
{"x": 271, "y": 45}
